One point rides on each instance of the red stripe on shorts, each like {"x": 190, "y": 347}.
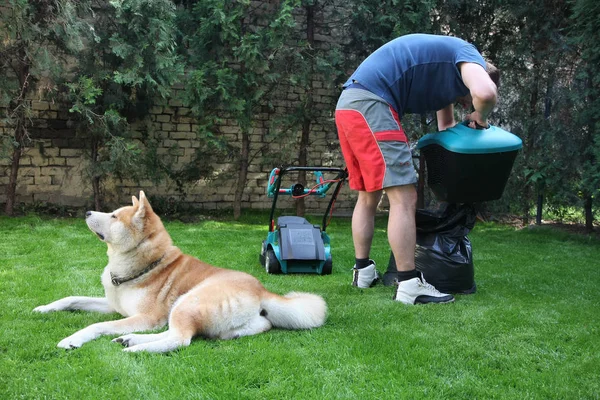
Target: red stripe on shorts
{"x": 365, "y": 162}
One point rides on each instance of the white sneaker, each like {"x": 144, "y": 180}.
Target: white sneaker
{"x": 418, "y": 291}
{"x": 365, "y": 277}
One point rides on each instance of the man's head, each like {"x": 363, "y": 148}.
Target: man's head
{"x": 493, "y": 72}
{"x": 465, "y": 101}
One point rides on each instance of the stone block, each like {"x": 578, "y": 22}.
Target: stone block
{"x": 184, "y": 111}
{"x": 49, "y": 171}
{"x": 40, "y": 105}
{"x": 70, "y": 152}
{"x": 42, "y": 180}
{"x": 183, "y": 135}
{"x": 24, "y": 161}
{"x": 184, "y": 127}
{"x": 51, "y": 152}
{"x": 167, "y": 127}
{"x": 168, "y": 143}
{"x": 73, "y": 162}
{"x": 227, "y": 129}
{"x": 50, "y": 161}
{"x": 55, "y": 106}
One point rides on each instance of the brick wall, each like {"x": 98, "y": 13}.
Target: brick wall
{"x": 54, "y": 167}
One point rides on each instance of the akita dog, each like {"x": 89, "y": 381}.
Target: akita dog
{"x": 151, "y": 282}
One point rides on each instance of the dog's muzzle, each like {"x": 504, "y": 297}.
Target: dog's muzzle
{"x": 88, "y": 214}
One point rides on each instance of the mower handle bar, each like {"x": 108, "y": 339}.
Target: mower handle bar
{"x": 274, "y": 187}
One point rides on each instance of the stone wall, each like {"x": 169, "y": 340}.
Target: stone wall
{"x": 54, "y": 167}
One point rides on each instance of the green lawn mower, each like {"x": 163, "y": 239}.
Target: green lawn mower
{"x": 294, "y": 245}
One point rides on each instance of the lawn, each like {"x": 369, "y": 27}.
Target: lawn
{"x": 531, "y": 331}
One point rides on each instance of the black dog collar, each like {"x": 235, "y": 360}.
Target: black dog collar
{"x": 119, "y": 281}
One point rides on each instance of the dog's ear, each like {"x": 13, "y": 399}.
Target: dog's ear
{"x": 135, "y": 201}
{"x": 144, "y": 207}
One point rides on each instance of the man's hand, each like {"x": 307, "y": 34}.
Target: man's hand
{"x": 476, "y": 120}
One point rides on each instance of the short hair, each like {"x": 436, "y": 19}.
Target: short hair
{"x": 493, "y": 72}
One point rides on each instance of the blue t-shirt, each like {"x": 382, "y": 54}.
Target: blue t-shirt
{"x": 417, "y": 73}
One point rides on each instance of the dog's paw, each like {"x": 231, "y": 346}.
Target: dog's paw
{"x": 123, "y": 340}
{"x": 44, "y": 309}
{"x": 134, "y": 349}
{"x": 71, "y": 342}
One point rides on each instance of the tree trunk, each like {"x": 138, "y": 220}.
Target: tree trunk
{"x": 547, "y": 114}
{"x": 540, "y": 205}
{"x": 530, "y": 141}
{"x": 589, "y": 214}
{"x": 11, "y": 191}
{"x": 307, "y": 121}
{"x": 20, "y": 132}
{"x": 242, "y": 175}
{"x": 95, "y": 178}
{"x": 303, "y": 160}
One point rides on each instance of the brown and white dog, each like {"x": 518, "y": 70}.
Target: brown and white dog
{"x": 151, "y": 282}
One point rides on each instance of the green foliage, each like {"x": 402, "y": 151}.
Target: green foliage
{"x": 33, "y": 48}
{"x": 145, "y": 44}
{"x": 85, "y": 94}
{"x": 130, "y": 62}
{"x": 234, "y": 50}
{"x": 112, "y": 62}
{"x": 233, "y": 47}
{"x": 375, "y": 23}
{"x": 306, "y": 63}
{"x": 30, "y": 54}
{"x": 585, "y": 34}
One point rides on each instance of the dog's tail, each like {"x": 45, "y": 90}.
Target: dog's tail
{"x": 295, "y": 310}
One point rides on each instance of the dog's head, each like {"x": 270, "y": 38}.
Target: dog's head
{"x": 125, "y": 228}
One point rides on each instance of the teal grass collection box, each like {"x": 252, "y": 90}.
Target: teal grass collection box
{"x": 467, "y": 165}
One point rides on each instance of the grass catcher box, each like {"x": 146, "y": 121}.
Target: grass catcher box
{"x": 467, "y": 165}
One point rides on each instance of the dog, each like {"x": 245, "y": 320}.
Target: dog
{"x": 151, "y": 282}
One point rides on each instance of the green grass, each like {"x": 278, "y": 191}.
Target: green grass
{"x": 531, "y": 331}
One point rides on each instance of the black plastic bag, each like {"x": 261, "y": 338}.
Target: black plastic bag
{"x": 443, "y": 253}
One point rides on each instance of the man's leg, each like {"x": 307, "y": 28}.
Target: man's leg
{"x": 363, "y": 228}
{"x": 402, "y": 234}
{"x": 363, "y": 222}
{"x": 402, "y": 231}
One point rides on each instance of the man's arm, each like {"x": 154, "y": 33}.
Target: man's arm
{"x": 483, "y": 91}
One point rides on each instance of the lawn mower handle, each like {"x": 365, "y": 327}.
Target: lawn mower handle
{"x": 277, "y": 174}
{"x": 274, "y": 187}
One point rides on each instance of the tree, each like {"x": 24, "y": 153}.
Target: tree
{"x": 233, "y": 51}
{"x": 586, "y": 36}
{"x": 314, "y": 67}
{"x": 129, "y": 63}
{"x": 37, "y": 36}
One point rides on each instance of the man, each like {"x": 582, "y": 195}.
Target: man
{"x": 415, "y": 73}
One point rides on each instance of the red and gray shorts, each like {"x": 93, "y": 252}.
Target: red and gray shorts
{"x": 373, "y": 142}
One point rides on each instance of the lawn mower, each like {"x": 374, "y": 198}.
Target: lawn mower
{"x": 294, "y": 245}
